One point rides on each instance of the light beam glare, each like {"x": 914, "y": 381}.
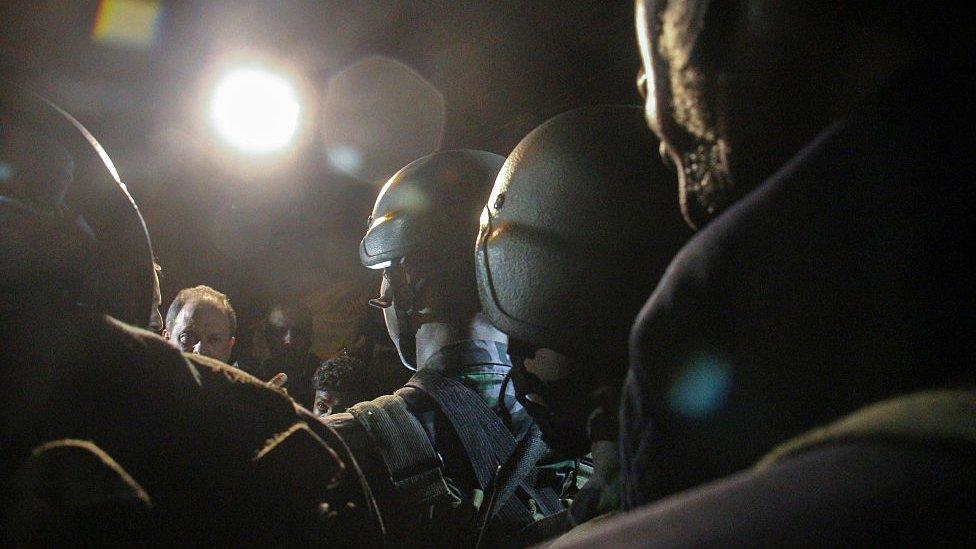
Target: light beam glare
{"x": 255, "y": 110}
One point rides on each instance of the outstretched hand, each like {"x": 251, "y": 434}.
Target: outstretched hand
{"x": 279, "y": 381}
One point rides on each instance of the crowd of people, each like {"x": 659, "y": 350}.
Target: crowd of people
{"x": 738, "y": 315}
{"x": 201, "y": 320}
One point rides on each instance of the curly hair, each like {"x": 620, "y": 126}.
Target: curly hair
{"x": 344, "y": 373}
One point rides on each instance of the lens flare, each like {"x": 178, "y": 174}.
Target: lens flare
{"x": 255, "y": 110}
{"x": 702, "y": 389}
{"x": 130, "y": 23}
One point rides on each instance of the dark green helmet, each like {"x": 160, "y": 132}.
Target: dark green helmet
{"x": 430, "y": 205}
{"x": 580, "y": 226}
{"x": 427, "y": 210}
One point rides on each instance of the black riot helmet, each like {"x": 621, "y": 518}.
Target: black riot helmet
{"x": 427, "y": 213}
{"x": 580, "y": 226}
{"x": 69, "y": 226}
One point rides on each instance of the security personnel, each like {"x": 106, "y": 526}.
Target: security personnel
{"x": 442, "y": 437}
{"x": 110, "y": 434}
{"x": 826, "y": 304}
{"x": 577, "y": 231}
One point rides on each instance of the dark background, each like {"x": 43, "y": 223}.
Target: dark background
{"x": 262, "y": 229}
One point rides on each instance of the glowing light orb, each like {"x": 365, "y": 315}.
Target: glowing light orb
{"x": 702, "y": 389}
{"x": 255, "y": 110}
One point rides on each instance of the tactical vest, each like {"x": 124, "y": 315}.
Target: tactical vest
{"x": 410, "y": 484}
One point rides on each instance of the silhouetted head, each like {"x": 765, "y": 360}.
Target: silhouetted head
{"x": 69, "y": 230}
{"x": 734, "y": 88}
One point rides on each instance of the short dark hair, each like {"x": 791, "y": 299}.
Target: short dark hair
{"x": 344, "y": 373}
{"x": 201, "y": 292}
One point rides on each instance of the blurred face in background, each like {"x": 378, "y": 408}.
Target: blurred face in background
{"x": 288, "y": 334}
{"x": 202, "y": 327}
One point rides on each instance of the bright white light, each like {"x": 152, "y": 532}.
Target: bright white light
{"x": 255, "y": 110}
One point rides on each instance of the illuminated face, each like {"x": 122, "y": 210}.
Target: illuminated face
{"x": 203, "y": 328}
{"x": 326, "y": 401}
{"x": 678, "y": 104}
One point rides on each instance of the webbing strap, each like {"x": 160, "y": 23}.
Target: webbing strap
{"x": 414, "y": 467}
{"x": 520, "y": 465}
{"x": 486, "y": 440}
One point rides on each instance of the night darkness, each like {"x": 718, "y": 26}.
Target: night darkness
{"x": 288, "y": 225}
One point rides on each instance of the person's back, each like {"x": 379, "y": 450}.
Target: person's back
{"x": 474, "y": 381}
{"x": 833, "y": 280}
{"x": 186, "y": 428}
{"x": 798, "y": 327}
{"x": 190, "y": 449}
{"x": 825, "y": 308}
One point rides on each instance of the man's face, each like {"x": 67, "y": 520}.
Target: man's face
{"x": 679, "y": 104}
{"x": 202, "y": 327}
{"x": 734, "y": 88}
{"x": 289, "y": 337}
{"x": 326, "y": 401}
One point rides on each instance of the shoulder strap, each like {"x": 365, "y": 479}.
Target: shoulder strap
{"x": 487, "y": 441}
{"x": 413, "y": 465}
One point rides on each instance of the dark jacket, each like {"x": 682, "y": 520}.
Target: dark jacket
{"x": 842, "y": 280}
{"x": 222, "y": 457}
{"x": 897, "y": 473}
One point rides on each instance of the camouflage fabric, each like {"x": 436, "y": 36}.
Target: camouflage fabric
{"x": 483, "y": 366}
{"x": 469, "y": 352}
